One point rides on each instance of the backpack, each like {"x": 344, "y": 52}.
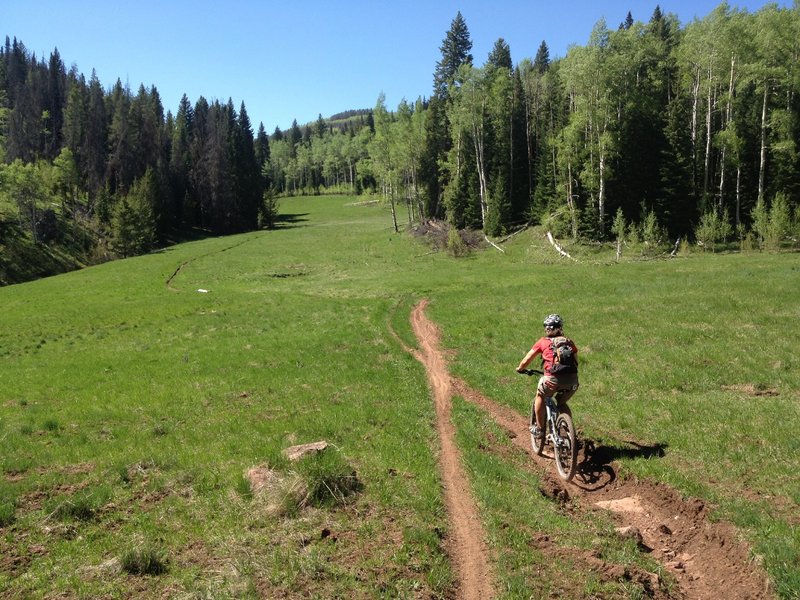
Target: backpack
{"x": 564, "y": 359}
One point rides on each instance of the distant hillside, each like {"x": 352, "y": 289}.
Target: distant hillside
{"x": 343, "y": 121}
{"x": 349, "y": 114}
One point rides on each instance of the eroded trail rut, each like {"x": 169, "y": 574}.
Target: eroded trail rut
{"x": 467, "y": 547}
{"x": 707, "y": 559}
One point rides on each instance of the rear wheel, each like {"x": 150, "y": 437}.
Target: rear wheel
{"x": 565, "y": 448}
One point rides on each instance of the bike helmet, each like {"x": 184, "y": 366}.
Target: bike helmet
{"x": 554, "y": 322}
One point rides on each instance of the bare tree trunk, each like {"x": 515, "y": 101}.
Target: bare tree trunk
{"x": 558, "y": 247}
{"x": 695, "y": 102}
{"x": 394, "y": 211}
{"x": 529, "y": 144}
{"x": 352, "y": 176}
{"x": 763, "y": 164}
{"x": 570, "y": 203}
{"x": 726, "y": 125}
{"x": 458, "y": 156}
{"x": 478, "y": 142}
{"x": 738, "y": 194}
{"x": 482, "y": 187}
{"x": 601, "y": 201}
{"x": 707, "y": 169}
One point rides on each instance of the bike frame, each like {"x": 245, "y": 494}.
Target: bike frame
{"x": 564, "y": 448}
{"x": 552, "y": 415}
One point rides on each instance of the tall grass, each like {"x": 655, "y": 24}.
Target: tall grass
{"x": 146, "y": 401}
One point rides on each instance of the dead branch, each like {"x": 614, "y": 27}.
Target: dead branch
{"x": 555, "y": 245}
{"x": 491, "y": 243}
{"x": 511, "y": 235}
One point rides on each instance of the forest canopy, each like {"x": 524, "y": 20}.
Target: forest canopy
{"x": 675, "y": 130}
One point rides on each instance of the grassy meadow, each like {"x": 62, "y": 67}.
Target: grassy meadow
{"x": 132, "y": 403}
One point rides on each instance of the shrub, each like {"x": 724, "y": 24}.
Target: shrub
{"x": 145, "y": 560}
{"x": 243, "y": 488}
{"x": 51, "y": 425}
{"x": 329, "y": 479}
{"x": 83, "y": 505}
{"x": 652, "y": 233}
{"x": 713, "y": 229}
{"x": 455, "y": 243}
{"x": 7, "y": 509}
{"x": 79, "y": 508}
{"x": 774, "y": 224}
{"x": 268, "y": 212}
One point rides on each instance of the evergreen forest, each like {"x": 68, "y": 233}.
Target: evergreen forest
{"x": 651, "y": 130}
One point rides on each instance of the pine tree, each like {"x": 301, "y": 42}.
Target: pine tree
{"x": 75, "y": 120}
{"x": 247, "y": 169}
{"x": 95, "y": 150}
{"x": 121, "y": 166}
{"x": 54, "y": 104}
{"x": 542, "y": 61}
{"x": 133, "y": 220}
{"x": 181, "y": 158}
{"x": 455, "y": 51}
{"x": 295, "y": 134}
{"x": 262, "y": 146}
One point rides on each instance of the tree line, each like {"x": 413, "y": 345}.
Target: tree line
{"x": 649, "y": 130}
{"x": 110, "y": 161}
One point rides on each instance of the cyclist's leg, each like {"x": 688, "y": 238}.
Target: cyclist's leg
{"x": 548, "y": 385}
{"x": 567, "y": 386}
{"x": 539, "y": 411}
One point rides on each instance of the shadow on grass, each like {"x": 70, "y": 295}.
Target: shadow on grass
{"x": 595, "y": 470}
{"x": 285, "y": 221}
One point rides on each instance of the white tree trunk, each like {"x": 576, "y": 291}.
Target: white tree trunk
{"x": 556, "y": 245}
{"x": 706, "y": 172}
{"x": 763, "y": 164}
{"x": 601, "y": 201}
{"x": 570, "y": 203}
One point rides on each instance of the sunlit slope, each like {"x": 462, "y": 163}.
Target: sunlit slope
{"x": 149, "y": 385}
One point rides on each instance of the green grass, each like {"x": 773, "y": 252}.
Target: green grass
{"x": 144, "y": 403}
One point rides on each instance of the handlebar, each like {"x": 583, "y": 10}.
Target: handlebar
{"x": 530, "y": 372}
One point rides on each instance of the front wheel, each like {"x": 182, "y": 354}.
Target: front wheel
{"x": 565, "y": 447}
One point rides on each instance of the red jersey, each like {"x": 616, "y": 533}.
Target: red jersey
{"x": 544, "y": 346}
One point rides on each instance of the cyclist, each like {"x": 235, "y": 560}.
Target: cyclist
{"x": 563, "y": 384}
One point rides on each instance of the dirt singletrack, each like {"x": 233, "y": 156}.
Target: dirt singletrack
{"x": 466, "y": 545}
{"x": 707, "y": 559}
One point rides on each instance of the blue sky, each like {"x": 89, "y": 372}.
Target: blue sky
{"x": 295, "y": 59}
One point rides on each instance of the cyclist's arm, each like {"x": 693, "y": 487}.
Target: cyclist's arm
{"x": 528, "y": 358}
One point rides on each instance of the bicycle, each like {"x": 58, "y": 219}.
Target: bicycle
{"x": 560, "y": 431}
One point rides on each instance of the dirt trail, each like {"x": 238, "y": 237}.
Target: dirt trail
{"x": 708, "y": 560}
{"x": 467, "y": 545}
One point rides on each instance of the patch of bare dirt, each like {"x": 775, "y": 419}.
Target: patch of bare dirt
{"x": 584, "y": 561}
{"x": 751, "y": 389}
{"x": 76, "y": 469}
{"x": 467, "y": 541}
{"x": 704, "y": 557}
